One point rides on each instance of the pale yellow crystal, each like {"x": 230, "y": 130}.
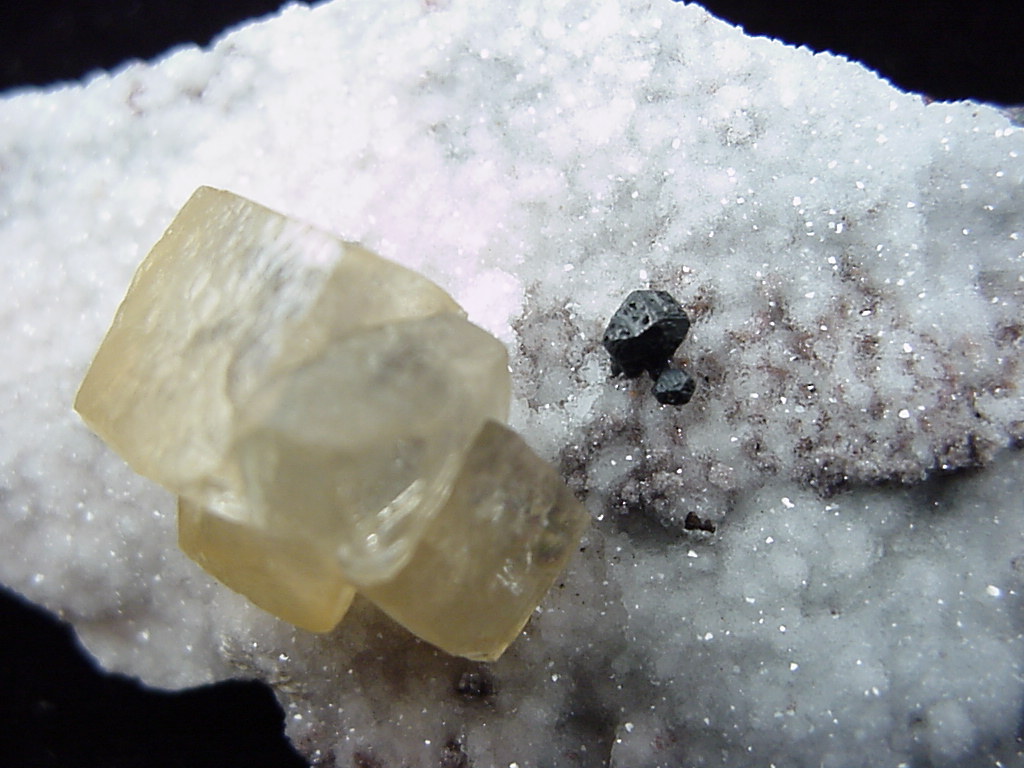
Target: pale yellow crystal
{"x": 290, "y": 577}
{"x": 490, "y": 554}
{"x": 232, "y": 294}
{"x": 244, "y": 328}
{"x": 359, "y": 447}
{"x": 330, "y": 421}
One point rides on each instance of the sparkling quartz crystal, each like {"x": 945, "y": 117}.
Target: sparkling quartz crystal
{"x": 331, "y": 423}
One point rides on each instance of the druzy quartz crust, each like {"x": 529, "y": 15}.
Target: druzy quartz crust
{"x": 331, "y": 423}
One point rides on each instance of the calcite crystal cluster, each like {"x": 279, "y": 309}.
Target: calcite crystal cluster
{"x": 331, "y": 423}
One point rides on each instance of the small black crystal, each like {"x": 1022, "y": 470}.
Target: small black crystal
{"x": 674, "y": 387}
{"x": 645, "y": 332}
{"x": 694, "y": 523}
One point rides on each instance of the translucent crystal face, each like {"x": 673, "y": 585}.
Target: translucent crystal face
{"x": 504, "y": 534}
{"x": 288, "y": 576}
{"x": 231, "y": 295}
{"x": 361, "y": 445}
{"x": 330, "y": 421}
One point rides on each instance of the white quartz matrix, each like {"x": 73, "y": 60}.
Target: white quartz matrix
{"x": 852, "y": 260}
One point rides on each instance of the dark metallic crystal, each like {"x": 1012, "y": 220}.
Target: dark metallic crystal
{"x": 674, "y": 387}
{"x": 645, "y": 332}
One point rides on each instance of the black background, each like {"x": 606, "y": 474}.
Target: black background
{"x": 56, "y": 709}
{"x": 948, "y": 50}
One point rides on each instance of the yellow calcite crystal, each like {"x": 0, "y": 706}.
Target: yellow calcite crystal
{"x": 289, "y": 576}
{"x": 504, "y": 534}
{"x": 331, "y": 422}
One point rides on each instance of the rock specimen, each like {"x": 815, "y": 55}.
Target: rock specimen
{"x": 331, "y": 422}
{"x": 853, "y": 255}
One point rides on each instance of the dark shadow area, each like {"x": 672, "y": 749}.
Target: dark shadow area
{"x": 54, "y": 40}
{"x": 57, "y": 710}
{"x": 954, "y": 49}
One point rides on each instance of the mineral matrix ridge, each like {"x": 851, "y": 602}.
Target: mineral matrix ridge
{"x": 850, "y": 259}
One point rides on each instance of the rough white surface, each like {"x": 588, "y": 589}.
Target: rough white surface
{"x": 854, "y": 264}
